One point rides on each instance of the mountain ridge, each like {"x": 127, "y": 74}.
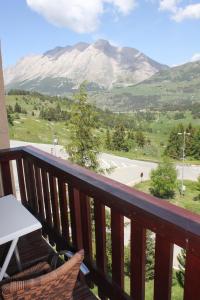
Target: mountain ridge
{"x": 101, "y": 64}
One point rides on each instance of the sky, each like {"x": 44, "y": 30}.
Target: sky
{"x": 166, "y": 30}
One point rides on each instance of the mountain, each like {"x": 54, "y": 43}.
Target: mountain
{"x": 174, "y": 88}
{"x": 62, "y": 69}
{"x": 186, "y": 73}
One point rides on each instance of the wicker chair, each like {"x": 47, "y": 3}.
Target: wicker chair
{"x": 41, "y": 282}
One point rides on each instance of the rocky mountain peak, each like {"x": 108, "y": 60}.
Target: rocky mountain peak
{"x": 102, "y": 64}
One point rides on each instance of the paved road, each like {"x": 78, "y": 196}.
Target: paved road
{"x": 128, "y": 171}
{"x": 124, "y": 170}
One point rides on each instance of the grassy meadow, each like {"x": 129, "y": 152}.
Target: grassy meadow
{"x": 30, "y": 127}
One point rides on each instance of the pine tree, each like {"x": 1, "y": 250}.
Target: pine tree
{"x": 189, "y": 140}
{"x": 108, "y": 142}
{"x": 140, "y": 139}
{"x": 17, "y": 108}
{"x": 174, "y": 146}
{"x": 118, "y": 138}
{"x": 150, "y": 257}
{"x": 10, "y": 119}
{"x": 180, "y": 275}
{"x": 195, "y": 151}
{"x": 84, "y": 146}
{"x": 175, "y": 142}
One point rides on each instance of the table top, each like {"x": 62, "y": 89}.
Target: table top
{"x": 15, "y": 220}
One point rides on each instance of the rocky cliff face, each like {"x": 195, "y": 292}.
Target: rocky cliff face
{"x": 64, "y": 68}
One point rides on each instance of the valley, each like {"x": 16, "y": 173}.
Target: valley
{"x": 41, "y": 118}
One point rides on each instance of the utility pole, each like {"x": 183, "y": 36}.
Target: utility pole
{"x": 183, "y": 160}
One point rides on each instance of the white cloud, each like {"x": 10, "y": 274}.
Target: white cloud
{"x": 191, "y": 11}
{"x": 195, "y": 57}
{"x": 78, "y": 15}
{"x": 179, "y": 13}
{"x": 124, "y": 6}
{"x": 169, "y": 5}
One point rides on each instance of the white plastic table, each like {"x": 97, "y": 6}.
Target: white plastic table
{"x": 15, "y": 221}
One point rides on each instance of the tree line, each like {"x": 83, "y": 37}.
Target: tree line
{"x": 175, "y": 145}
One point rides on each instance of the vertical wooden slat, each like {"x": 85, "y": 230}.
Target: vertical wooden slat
{"x": 39, "y": 193}
{"x": 100, "y": 235}
{"x": 47, "y": 203}
{"x": 117, "y": 236}
{"x": 27, "y": 181}
{"x": 100, "y": 239}
{"x": 86, "y": 226}
{"x": 138, "y": 257}
{"x": 54, "y": 203}
{"x": 33, "y": 195}
{"x": 30, "y": 185}
{"x": 6, "y": 177}
{"x": 64, "y": 210}
{"x": 192, "y": 275}
{"x": 75, "y": 213}
{"x": 21, "y": 181}
{"x": 163, "y": 268}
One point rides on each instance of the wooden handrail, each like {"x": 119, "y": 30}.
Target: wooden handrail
{"x": 128, "y": 201}
{"x": 44, "y": 181}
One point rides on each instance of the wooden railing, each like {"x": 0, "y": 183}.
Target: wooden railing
{"x": 60, "y": 194}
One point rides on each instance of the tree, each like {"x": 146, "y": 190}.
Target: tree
{"x": 196, "y": 145}
{"x": 10, "y": 109}
{"x": 189, "y": 141}
{"x": 118, "y": 138}
{"x": 180, "y": 275}
{"x": 140, "y": 139}
{"x": 17, "y": 108}
{"x": 163, "y": 180}
{"x": 150, "y": 256}
{"x": 84, "y": 146}
{"x": 10, "y": 119}
{"x": 108, "y": 142}
{"x": 175, "y": 142}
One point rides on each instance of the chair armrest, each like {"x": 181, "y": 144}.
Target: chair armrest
{"x": 84, "y": 269}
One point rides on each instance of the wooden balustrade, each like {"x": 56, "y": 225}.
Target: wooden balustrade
{"x": 59, "y": 194}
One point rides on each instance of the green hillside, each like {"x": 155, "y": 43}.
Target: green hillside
{"x": 176, "y": 88}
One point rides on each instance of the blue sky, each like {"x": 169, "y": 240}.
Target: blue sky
{"x": 166, "y": 30}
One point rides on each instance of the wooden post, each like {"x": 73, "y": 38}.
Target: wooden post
{"x": 4, "y": 135}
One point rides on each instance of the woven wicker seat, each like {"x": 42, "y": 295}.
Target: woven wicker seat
{"x": 40, "y": 282}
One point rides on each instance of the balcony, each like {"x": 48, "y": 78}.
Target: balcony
{"x": 71, "y": 204}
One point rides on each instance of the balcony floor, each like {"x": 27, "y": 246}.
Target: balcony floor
{"x": 32, "y": 249}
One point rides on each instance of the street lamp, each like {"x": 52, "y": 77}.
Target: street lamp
{"x": 183, "y": 159}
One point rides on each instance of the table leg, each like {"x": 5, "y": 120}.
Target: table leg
{"x": 17, "y": 257}
{"x": 8, "y": 258}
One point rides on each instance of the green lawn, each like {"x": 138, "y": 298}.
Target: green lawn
{"x": 32, "y": 129}
{"x": 187, "y": 201}
{"x": 177, "y": 291}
